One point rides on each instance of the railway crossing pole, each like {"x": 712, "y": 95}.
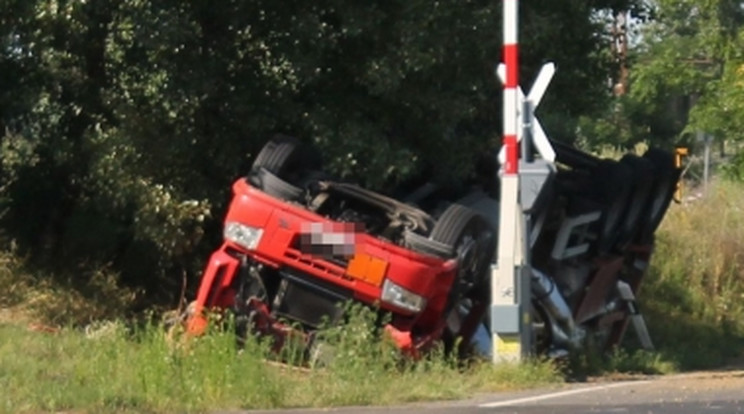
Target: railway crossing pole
{"x": 522, "y": 182}
{"x": 506, "y": 318}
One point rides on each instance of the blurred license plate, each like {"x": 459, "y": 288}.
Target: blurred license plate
{"x": 328, "y": 239}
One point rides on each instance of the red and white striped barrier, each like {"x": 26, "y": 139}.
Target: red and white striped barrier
{"x": 511, "y": 86}
{"x": 505, "y": 312}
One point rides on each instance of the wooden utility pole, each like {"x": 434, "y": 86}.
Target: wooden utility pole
{"x": 620, "y": 51}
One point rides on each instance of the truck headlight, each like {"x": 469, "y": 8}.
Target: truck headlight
{"x": 245, "y": 236}
{"x": 401, "y": 297}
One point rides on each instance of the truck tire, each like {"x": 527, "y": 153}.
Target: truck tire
{"x": 274, "y": 186}
{"x": 472, "y": 241}
{"x": 281, "y": 163}
{"x": 424, "y": 245}
{"x": 277, "y": 154}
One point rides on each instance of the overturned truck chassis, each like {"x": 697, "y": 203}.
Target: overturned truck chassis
{"x": 299, "y": 243}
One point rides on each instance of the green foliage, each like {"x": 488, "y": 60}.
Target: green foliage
{"x": 623, "y": 125}
{"x": 126, "y": 121}
{"x": 733, "y": 169}
{"x": 356, "y": 345}
{"x": 685, "y": 77}
{"x": 720, "y": 107}
{"x": 688, "y": 63}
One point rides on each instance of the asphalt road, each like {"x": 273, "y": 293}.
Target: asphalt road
{"x": 711, "y": 392}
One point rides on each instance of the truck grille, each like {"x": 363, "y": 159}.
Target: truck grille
{"x": 310, "y": 302}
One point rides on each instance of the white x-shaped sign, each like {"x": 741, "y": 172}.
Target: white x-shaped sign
{"x": 536, "y": 93}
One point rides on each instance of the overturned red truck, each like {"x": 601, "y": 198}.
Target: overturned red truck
{"x": 299, "y": 243}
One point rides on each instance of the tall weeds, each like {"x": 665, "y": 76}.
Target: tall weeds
{"x": 113, "y": 367}
{"x": 693, "y": 295}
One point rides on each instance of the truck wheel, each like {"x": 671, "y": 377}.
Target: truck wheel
{"x": 286, "y": 160}
{"x": 422, "y": 244}
{"x": 272, "y": 185}
{"x": 472, "y": 240}
{"x": 666, "y": 175}
{"x": 278, "y": 154}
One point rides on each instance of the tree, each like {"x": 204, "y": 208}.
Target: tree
{"x": 128, "y": 120}
{"x": 691, "y": 55}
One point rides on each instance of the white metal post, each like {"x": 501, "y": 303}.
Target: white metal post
{"x": 505, "y": 313}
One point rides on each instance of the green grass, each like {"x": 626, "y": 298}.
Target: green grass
{"x": 692, "y": 297}
{"x": 621, "y": 362}
{"x": 91, "y": 365}
{"x": 111, "y": 372}
{"x": 114, "y": 369}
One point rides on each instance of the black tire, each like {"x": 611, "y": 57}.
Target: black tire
{"x": 472, "y": 240}
{"x": 643, "y": 172}
{"x": 274, "y": 186}
{"x": 277, "y": 154}
{"x": 281, "y": 165}
{"x": 666, "y": 175}
{"x": 422, "y": 244}
{"x": 287, "y": 157}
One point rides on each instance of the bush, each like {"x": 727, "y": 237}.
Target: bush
{"x": 733, "y": 169}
